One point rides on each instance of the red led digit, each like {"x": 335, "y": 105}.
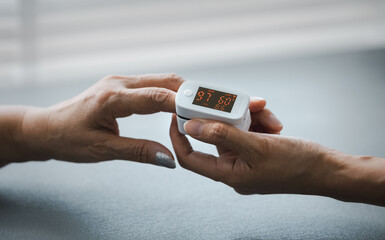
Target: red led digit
{"x": 208, "y": 98}
{"x": 220, "y": 101}
{"x": 227, "y": 101}
{"x": 200, "y": 94}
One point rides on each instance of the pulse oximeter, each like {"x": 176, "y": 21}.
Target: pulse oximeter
{"x": 200, "y": 100}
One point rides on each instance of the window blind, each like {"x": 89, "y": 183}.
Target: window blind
{"x": 45, "y": 41}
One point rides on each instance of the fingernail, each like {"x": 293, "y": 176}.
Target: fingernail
{"x": 257, "y": 98}
{"x": 164, "y": 160}
{"x": 275, "y": 123}
{"x": 193, "y": 127}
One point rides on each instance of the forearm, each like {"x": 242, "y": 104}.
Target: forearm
{"x": 353, "y": 178}
{"x": 14, "y": 144}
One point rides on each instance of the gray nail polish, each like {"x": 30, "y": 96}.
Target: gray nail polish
{"x": 164, "y": 160}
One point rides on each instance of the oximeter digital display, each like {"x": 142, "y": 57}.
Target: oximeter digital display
{"x": 201, "y": 100}
{"x": 214, "y": 99}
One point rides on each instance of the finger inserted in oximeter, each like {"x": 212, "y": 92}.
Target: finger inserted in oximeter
{"x": 200, "y": 100}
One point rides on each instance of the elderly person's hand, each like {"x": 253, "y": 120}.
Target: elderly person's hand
{"x": 84, "y": 128}
{"x": 256, "y": 162}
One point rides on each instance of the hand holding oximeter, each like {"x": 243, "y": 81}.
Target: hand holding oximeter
{"x": 200, "y": 100}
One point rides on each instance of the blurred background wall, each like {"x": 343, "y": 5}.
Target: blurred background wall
{"x": 52, "y": 41}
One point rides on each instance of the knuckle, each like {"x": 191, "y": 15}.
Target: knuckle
{"x": 117, "y": 80}
{"x": 172, "y": 78}
{"x": 217, "y": 133}
{"x": 104, "y": 96}
{"x": 99, "y": 151}
{"x": 138, "y": 152}
{"x": 110, "y": 77}
{"x": 159, "y": 96}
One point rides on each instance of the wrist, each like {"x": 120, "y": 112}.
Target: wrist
{"x": 34, "y": 133}
{"x": 11, "y": 141}
{"x": 354, "y": 178}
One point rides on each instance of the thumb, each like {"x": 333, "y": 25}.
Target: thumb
{"x": 140, "y": 150}
{"x": 217, "y": 133}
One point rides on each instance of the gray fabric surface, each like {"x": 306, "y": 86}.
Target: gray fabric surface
{"x": 336, "y": 100}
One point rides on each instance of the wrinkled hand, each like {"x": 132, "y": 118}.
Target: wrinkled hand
{"x": 250, "y": 162}
{"x": 84, "y": 129}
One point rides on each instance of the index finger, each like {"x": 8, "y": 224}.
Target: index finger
{"x": 169, "y": 81}
{"x": 141, "y": 101}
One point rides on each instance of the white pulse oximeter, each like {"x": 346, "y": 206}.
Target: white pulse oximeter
{"x": 200, "y": 100}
